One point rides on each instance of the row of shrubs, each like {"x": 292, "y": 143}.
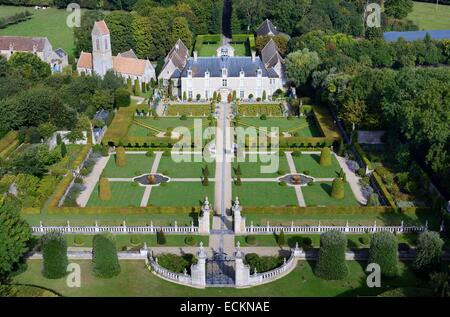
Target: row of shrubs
{"x": 53, "y": 209}
{"x": 120, "y": 125}
{"x": 10, "y": 138}
{"x": 349, "y": 210}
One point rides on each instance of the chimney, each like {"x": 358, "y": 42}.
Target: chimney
{"x": 195, "y": 56}
{"x": 253, "y": 56}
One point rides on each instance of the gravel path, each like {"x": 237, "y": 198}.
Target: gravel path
{"x": 298, "y": 188}
{"x": 353, "y": 181}
{"x": 148, "y": 189}
{"x": 91, "y": 180}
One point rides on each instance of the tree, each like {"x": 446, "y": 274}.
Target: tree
{"x": 353, "y": 111}
{"x": 82, "y": 35}
{"x": 281, "y": 41}
{"x": 104, "y": 190}
{"x": 337, "y": 188}
{"x": 47, "y": 129}
{"x": 325, "y": 157}
{"x": 331, "y": 263}
{"x": 29, "y": 66}
{"x": 281, "y": 240}
{"x": 104, "y": 256}
{"x": 120, "y": 156}
{"x": 122, "y": 98}
{"x": 160, "y": 237}
{"x": 180, "y": 30}
{"x": 3, "y": 66}
{"x": 119, "y": 23}
{"x": 63, "y": 150}
{"x": 398, "y": 9}
{"x": 300, "y": 65}
{"x": 429, "y": 251}
{"x": 384, "y": 252}
{"x": 15, "y": 234}
{"x": 136, "y": 88}
{"x": 54, "y": 253}
{"x": 264, "y": 96}
{"x": 206, "y": 171}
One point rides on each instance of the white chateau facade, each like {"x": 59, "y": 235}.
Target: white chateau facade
{"x": 101, "y": 60}
{"x": 251, "y": 77}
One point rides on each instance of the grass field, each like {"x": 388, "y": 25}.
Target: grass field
{"x": 124, "y": 194}
{"x": 189, "y": 109}
{"x": 123, "y": 241}
{"x": 136, "y": 164}
{"x": 49, "y": 23}
{"x": 253, "y": 169}
{"x": 310, "y": 163}
{"x": 429, "y": 17}
{"x": 258, "y": 109}
{"x": 209, "y": 50}
{"x": 319, "y": 194}
{"x": 182, "y": 194}
{"x": 265, "y": 194}
{"x": 192, "y": 169}
{"x": 136, "y": 280}
{"x": 296, "y": 127}
{"x": 162, "y": 124}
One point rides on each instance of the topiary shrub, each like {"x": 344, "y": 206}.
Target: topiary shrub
{"x": 337, "y": 189}
{"x": 384, "y": 252}
{"x": 149, "y": 153}
{"x": 281, "y": 240}
{"x": 78, "y": 240}
{"x": 296, "y": 153}
{"x": 331, "y": 263}
{"x": 63, "y": 150}
{"x": 54, "y": 253}
{"x": 429, "y": 252}
{"x": 105, "y": 263}
{"x": 325, "y": 157}
{"x": 134, "y": 241}
{"x": 104, "y": 191}
{"x": 361, "y": 172}
{"x": 281, "y": 172}
{"x": 364, "y": 240}
{"x": 190, "y": 240}
{"x": 120, "y": 156}
{"x": 251, "y": 240}
{"x": 183, "y": 117}
{"x": 263, "y": 117}
{"x": 122, "y": 97}
{"x": 205, "y": 181}
{"x": 160, "y": 237}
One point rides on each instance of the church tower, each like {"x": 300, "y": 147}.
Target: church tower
{"x": 101, "y": 48}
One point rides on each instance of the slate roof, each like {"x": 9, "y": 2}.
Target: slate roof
{"x": 270, "y": 55}
{"x": 60, "y": 52}
{"x": 234, "y": 65}
{"x": 267, "y": 28}
{"x": 178, "y": 55}
{"x": 22, "y": 43}
{"x": 417, "y": 35}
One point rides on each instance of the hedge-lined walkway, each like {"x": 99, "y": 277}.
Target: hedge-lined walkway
{"x": 91, "y": 181}
{"x": 353, "y": 181}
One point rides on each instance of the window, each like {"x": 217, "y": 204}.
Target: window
{"x": 106, "y": 44}
{"x": 190, "y": 73}
{"x": 224, "y": 83}
{"x": 207, "y": 74}
{"x": 224, "y": 72}
{"x": 98, "y": 44}
{"x": 242, "y": 94}
{"x": 206, "y": 94}
{"x": 259, "y": 72}
{"x": 190, "y": 95}
{"x": 242, "y": 74}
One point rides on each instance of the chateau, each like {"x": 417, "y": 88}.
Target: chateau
{"x": 196, "y": 77}
{"x": 101, "y": 60}
{"x": 40, "y": 46}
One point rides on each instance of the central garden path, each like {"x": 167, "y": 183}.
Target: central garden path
{"x": 298, "y": 188}
{"x": 91, "y": 180}
{"x": 353, "y": 180}
{"x": 154, "y": 169}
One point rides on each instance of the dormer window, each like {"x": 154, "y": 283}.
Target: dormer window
{"x": 207, "y": 74}
{"x": 259, "y": 72}
{"x": 224, "y": 72}
{"x": 241, "y": 73}
{"x": 189, "y": 72}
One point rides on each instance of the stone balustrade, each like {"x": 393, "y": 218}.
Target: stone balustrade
{"x": 269, "y": 276}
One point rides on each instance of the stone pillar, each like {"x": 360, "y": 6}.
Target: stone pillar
{"x": 242, "y": 277}
{"x": 198, "y": 271}
{"x": 298, "y": 252}
{"x": 204, "y": 219}
{"x": 239, "y": 221}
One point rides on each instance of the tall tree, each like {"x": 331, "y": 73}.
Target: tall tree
{"x": 300, "y": 65}
{"x": 29, "y": 66}
{"x": 82, "y": 35}
{"x": 180, "y": 30}
{"x": 398, "y": 9}
{"x": 121, "y": 34}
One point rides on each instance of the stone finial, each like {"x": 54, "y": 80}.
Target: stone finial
{"x": 145, "y": 246}
{"x": 238, "y": 246}
{"x": 201, "y": 253}
{"x": 184, "y": 271}
{"x": 255, "y": 271}
{"x": 236, "y": 202}
{"x": 296, "y": 245}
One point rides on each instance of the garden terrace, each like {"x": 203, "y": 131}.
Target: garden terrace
{"x": 299, "y": 127}
{"x": 309, "y": 164}
{"x": 192, "y": 169}
{"x": 120, "y": 125}
{"x": 207, "y": 45}
{"x": 124, "y": 194}
{"x": 258, "y": 109}
{"x": 194, "y": 110}
{"x": 265, "y": 194}
{"x": 319, "y": 194}
{"x": 253, "y": 169}
{"x": 179, "y": 194}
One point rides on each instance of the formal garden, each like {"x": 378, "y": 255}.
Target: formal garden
{"x": 207, "y": 45}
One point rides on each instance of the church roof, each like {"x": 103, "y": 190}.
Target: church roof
{"x": 234, "y": 65}
{"x": 130, "y": 54}
{"x": 178, "y": 55}
{"x": 22, "y": 43}
{"x": 85, "y": 60}
{"x": 130, "y": 66}
{"x": 267, "y": 28}
{"x": 100, "y": 28}
{"x": 270, "y": 55}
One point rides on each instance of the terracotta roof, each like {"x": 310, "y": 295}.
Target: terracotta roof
{"x": 270, "y": 55}
{"x": 22, "y": 43}
{"x": 129, "y": 54}
{"x": 131, "y": 66}
{"x": 101, "y": 27}
{"x": 85, "y": 60}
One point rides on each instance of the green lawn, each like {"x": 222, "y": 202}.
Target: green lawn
{"x": 163, "y": 123}
{"x": 168, "y": 166}
{"x": 140, "y": 131}
{"x": 429, "y": 17}
{"x": 49, "y": 23}
{"x": 196, "y": 110}
{"x": 253, "y": 169}
{"x": 319, "y": 194}
{"x": 123, "y": 241}
{"x": 136, "y": 280}
{"x": 209, "y": 50}
{"x": 240, "y": 49}
{"x": 136, "y": 164}
{"x": 124, "y": 194}
{"x": 353, "y": 240}
{"x": 182, "y": 194}
{"x": 264, "y": 194}
{"x": 296, "y": 127}
{"x": 311, "y": 163}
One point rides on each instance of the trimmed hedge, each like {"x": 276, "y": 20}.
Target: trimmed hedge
{"x": 314, "y": 210}
{"x": 104, "y": 190}
{"x": 60, "y": 190}
{"x": 363, "y": 155}
{"x": 120, "y": 157}
{"x": 119, "y": 126}
{"x": 337, "y": 188}
{"x": 54, "y": 253}
{"x": 387, "y": 195}
{"x": 384, "y": 252}
{"x": 331, "y": 264}
{"x": 325, "y": 157}
{"x": 104, "y": 256}
{"x": 122, "y": 210}
{"x": 9, "y": 138}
